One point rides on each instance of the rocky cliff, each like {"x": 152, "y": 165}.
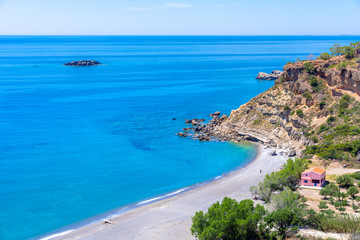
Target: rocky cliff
{"x": 288, "y": 114}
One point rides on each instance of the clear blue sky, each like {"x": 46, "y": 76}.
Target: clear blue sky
{"x": 185, "y": 17}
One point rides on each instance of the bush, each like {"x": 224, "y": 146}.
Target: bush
{"x": 329, "y": 190}
{"x": 345, "y": 180}
{"x": 228, "y": 220}
{"x": 352, "y": 191}
{"x": 349, "y": 52}
{"x": 314, "y": 82}
{"x": 315, "y": 139}
{"x": 325, "y": 56}
{"x": 286, "y": 108}
{"x": 284, "y": 221}
{"x": 340, "y": 224}
{"x": 286, "y": 199}
{"x": 300, "y": 113}
{"x": 322, "y": 105}
{"x": 356, "y": 175}
{"x": 307, "y": 95}
{"x": 323, "y": 206}
{"x": 330, "y": 119}
{"x": 308, "y": 67}
{"x": 323, "y": 128}
{"x": 336, "y": 49}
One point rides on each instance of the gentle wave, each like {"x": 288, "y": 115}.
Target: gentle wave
{"x": 57, "y": 235}
{"x": 161, "y": 197}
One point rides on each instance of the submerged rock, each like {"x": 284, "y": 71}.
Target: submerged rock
{"x": 272, "y": 76}
{"x": 82, "y": 63}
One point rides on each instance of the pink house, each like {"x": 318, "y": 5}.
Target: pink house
{"x": 313, "y": 177}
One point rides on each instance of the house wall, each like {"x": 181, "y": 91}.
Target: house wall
{"x": 312, "y": 176}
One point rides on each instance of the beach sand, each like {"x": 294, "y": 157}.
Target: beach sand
{"x": 171, "y": 218}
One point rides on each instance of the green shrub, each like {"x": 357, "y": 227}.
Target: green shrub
{"x": 322, "y": 105}
{"x": 315, "y": 139}
{"x": 287, "y": 108}
{"x": 325, "y": 56}
{"x": 349, "y": 52}
{"x": 323, "y": 128}
{"x": 340, "y": 224}
{"x": 352, "y": 191}
{"x": 228, "y": 220}
{"x": 314, "y": 82}
{"x": 330, "y": 119}
{"x": 307, "y": 95}
{"x": 356, "y": 175}
{"x": 292, "y": 113}
{"x": 284, "y": 221}
{"x": 323, "y": 206}
{"x": 336, "y": 49}
{"x": 308, "y": 67}
{"x": 345, "y": 180}
{"x": 300, "y": 113}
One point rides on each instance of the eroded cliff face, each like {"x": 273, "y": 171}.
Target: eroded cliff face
{"x": 300, "y": 100}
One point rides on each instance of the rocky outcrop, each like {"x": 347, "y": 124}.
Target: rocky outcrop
{"x": 357, "y": 53}
{"x": 280, "y": 116}
{"x": 272, "y": 76}
{"x": 82, "y": 63}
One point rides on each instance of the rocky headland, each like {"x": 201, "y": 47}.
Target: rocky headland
{"x": 83, "y": 63}
{"x": 290, "y": 114}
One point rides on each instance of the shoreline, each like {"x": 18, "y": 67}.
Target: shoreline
{"x": 117, "y": 212}
{"x": 170, "y": 215}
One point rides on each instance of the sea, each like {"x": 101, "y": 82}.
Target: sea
{"x": 81, "y": 143}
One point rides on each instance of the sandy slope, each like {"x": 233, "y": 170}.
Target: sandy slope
{"x": 171, "y": 218}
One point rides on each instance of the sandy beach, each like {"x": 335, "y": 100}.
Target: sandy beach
{"x": 171, "y": 218}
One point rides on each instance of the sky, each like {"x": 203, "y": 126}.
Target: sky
{"x": 179, "y": 17}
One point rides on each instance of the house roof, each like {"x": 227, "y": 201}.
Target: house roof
{"x": 315, "y": 169}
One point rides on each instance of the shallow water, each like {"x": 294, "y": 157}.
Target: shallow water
{"x": 77, "y": 142}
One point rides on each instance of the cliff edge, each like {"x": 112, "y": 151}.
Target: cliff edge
{"x": 290, "y": 114}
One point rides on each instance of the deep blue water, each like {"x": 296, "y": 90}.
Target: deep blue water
{"x": 77, "y": 142}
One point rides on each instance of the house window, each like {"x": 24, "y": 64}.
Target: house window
{"x": 306, "y": 174}
{"x": 305, "y": 181}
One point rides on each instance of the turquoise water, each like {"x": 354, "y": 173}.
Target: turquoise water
{"x": 77, "y": 142}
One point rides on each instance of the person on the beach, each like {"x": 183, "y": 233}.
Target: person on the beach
{"x": 260, "y": 171}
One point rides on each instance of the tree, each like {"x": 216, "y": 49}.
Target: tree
{"x": 292, "y": 182}
{"x": 325, "y": 56}
{"x": 336, "y": 49}
{"x": 284, "y": 221}
{"x": 286, "y": 199}
{"x": 349, "y": 52}
{"x": 229, "y": 220}
{"x": 352, "y": 191}
{"x": 326, "y": 191}
{"x": 345, "y": 180}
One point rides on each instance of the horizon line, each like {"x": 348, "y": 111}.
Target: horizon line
{"x": 185, "y": 35}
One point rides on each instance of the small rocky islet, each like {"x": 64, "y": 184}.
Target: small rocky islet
{"x": 83, "y": 63}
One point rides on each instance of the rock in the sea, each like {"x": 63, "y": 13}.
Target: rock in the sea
{"x": 194, "y": 122}
{"x": 181, "y": 134}
{"x": 272, "y": 76}
{"x": 215, "y": 114}
{"x": 187, "y": 121}
{"x": 83, "y": 63}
